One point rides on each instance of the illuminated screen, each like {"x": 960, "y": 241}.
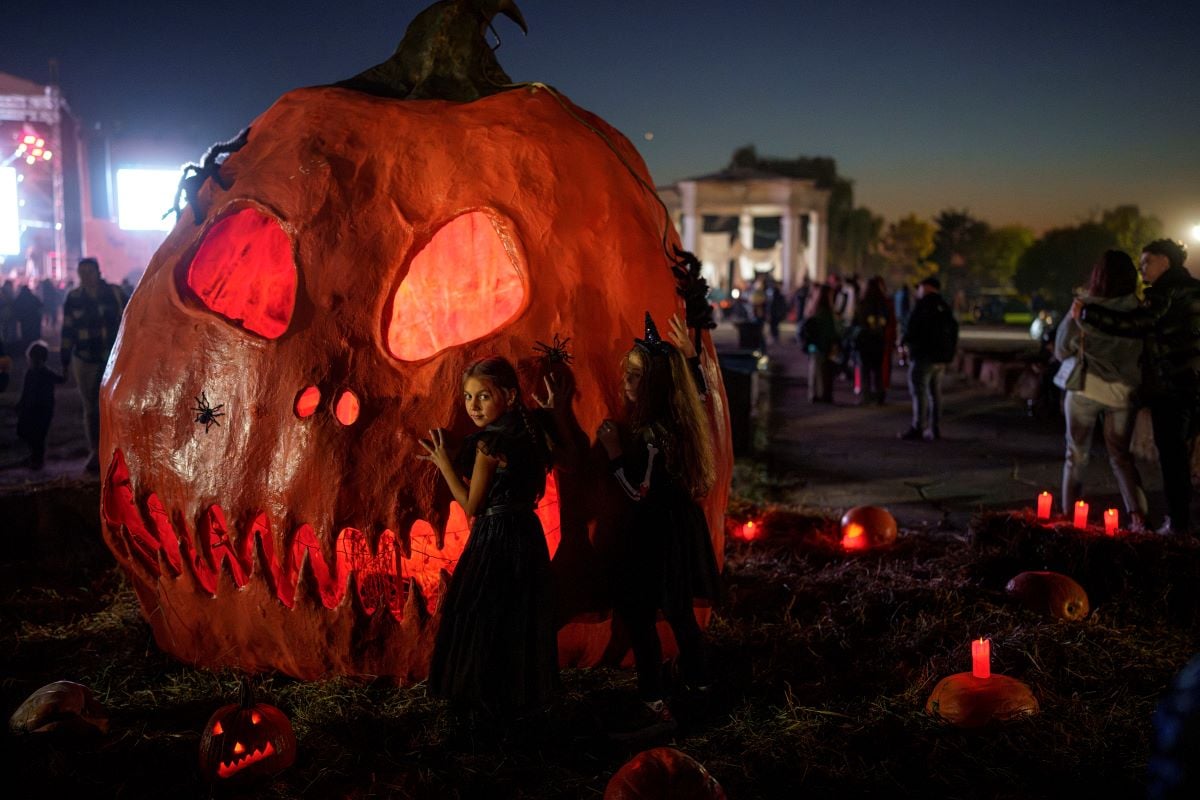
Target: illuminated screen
{"x": 10, "y": 226}
{"x": 142, "y": 197}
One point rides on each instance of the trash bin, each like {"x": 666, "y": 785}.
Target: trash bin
{"x": 739, "y": 373}
{"x": 750, "y": 335}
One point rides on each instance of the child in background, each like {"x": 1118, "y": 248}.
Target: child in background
{"x": 663, "y": 461}
{"x": 35, "y": 409}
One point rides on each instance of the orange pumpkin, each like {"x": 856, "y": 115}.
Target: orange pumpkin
{"x": 969, "y": 702}
{"x": 245, "y": 741}
{"x": 663, "y": 773}
{"x": 866, "y": 527}
{"x": 358, "y": 251}
{"x": 1050, "y": 593}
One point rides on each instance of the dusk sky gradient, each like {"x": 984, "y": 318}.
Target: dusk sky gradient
{"x": 1032, "y": 113}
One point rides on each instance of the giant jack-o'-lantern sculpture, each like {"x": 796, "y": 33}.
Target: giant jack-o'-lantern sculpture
{"x": 309, "y": 318}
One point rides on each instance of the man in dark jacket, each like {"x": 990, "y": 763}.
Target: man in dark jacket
{"x": 1169, "y": 320}
{"x": 930, "y": 337}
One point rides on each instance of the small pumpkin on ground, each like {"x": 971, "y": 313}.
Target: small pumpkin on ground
{"x": 969, "y": 702}
{"x": 663, "y": 772}
{"x": 62, "y": 706}
{"x": 867, "y": 527}
{"x": 246, "y": 740}
{"x": 1050, "y": 593}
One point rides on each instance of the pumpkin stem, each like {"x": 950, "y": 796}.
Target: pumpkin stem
{"x": 246, "y": 693}
{"x": 444, "y": 55}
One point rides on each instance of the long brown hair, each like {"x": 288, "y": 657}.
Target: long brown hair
{"x": 1113, "y": 275}
{"x": 667, "y": 397}
{"x": 500, "y": 373}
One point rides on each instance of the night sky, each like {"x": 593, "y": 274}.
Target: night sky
{"x": 1036, "y": 113}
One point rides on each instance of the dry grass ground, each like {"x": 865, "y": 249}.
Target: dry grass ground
{"x": 825, "y": 662}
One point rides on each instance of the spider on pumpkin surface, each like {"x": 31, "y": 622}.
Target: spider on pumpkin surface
{"x": 206, "y": 415}
{"x": 194, "y": 175}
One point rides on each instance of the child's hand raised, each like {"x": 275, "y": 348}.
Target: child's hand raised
{"x": 435, "y": 450}
{"x": 678, "y": 336}
{"x": 556, "y": 391}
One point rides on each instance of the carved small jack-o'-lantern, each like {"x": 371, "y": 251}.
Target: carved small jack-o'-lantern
{"x": 1050, "y": 593}
{"x": 326, "y": 287}
{"x": 867, "y": 527}
{"x": 660, "y": 774}
{"x": 245, "y": 741}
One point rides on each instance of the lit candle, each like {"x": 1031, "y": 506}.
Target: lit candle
{"x": 1081, "y": 514}
{"x": 854, "y": 537}
{"x": 749, "y": 531}
{"x": 1043, "y": 508}
{"x": 981, "y": 658}
{"x": 1110, "y": 522}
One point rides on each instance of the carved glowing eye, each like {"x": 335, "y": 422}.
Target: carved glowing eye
{"x": 307, "y": 402}
{"x": 255, "y": 717}
{"x": 346, "y": 409}
{"x": 218, "y": 729}
{"x": 244, "y": 272}
{"x": 464, "y": 284}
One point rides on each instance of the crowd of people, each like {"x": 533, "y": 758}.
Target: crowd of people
{"x": 87, "y": 318}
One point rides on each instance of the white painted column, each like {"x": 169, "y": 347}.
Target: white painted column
{"x": 689, "y": 233}
{"x": 746, "y": 237}
{"x": 818, "y": 237}
{"x": 789, "y": 226}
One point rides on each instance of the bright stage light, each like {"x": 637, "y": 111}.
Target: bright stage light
{"x": 142, "y": 197}
{"x": 10, "y": 225}
{"x": 1196, "y": 232}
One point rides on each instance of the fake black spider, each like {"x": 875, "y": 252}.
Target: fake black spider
{"x": 555, "y": 352}
{"x": 194, "y": 175}
{"x": 206, "y": 415}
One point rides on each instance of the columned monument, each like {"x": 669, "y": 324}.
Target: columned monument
{"x": 748, "y": 194}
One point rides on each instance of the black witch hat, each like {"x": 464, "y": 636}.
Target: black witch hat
{"x": 653, "y": 343}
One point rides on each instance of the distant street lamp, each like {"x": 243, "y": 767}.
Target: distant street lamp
{"x": 1196, "y": 232}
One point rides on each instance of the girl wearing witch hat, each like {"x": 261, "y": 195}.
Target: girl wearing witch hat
{"x": 662, "y": 458}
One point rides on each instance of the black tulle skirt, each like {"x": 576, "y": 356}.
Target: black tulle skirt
{"x": 496, "y": 647}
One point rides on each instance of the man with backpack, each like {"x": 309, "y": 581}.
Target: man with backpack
{"x": 930, "y": 338}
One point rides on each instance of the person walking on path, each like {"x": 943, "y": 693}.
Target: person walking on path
{"x": 91, "y": 317}
{"x": 819, "y": 337}
{"x": 1111, "y": 376}
{"x": 931, "y": 337}
{"x": 1169, "y": 323}
{"x": 875, "y": 331}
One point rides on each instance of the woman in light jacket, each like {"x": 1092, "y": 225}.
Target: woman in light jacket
{"x": 1112, "y": 375}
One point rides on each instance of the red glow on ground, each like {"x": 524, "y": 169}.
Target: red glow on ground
{"x": 346, "y": 409}
{"x": 854, "y": 537}
{"x": 748, "y": 531}
{"x": 307, "y": 402}
{"x": 244, "y": 272}
{"x": 463, "y": 285}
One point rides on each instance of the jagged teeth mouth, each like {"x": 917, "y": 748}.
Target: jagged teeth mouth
{"x": 227, "y": 768}
{"x": 383, "y": 577}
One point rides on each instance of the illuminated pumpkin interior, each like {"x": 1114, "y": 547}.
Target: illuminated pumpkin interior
{"x": 346, "y": 409}
{"x": 227, "y": 768}
{"x": 854, "y": 537}
{"x": 463, "y": 285}
{"x": 244, "y": 272}
{"x": 307, "y": 402}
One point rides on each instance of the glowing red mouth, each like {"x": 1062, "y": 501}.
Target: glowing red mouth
{"x": 227, "y": 768}
{"x": 383, "y": 577}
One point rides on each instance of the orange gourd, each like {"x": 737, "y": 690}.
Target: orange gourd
{"x": 663, "y": 773}
{"x": 1050, "y": 593}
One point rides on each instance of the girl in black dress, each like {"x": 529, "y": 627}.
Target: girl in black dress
{"x": 496, "y": 649}
{"x": 663, "y": 460}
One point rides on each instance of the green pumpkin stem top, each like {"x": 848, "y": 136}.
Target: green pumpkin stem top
{"x": 444, "y": 55}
